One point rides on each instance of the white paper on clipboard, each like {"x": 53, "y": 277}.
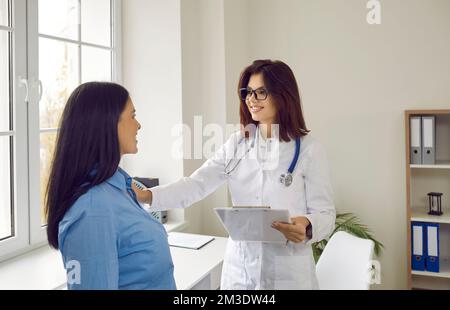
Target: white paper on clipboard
{"x": 253, "y": 224}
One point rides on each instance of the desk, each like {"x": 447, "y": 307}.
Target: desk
{"x": 199, "y": 269}
{"x": 42, "y": 269}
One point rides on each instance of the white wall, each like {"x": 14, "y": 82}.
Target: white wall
{"x": 152, "y": 74}
{"x": 174, "y": 67}
{"x": 203, "y": 63}
{"x": 237, "y": 53}
{"x": 356, "y": 81}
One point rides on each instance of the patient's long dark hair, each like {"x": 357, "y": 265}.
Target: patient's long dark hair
{"x": 87, "y": 142}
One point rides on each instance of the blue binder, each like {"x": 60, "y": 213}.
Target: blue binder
{"x": 432, "y": 247}
{"x": 418, "y": 246}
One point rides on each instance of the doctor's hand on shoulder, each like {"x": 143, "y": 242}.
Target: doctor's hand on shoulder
{"x": 143, "y": 196}
{"x": 297, "y": 231}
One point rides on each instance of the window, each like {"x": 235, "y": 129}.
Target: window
{"x": 74, "y": 47}
{"x": 6, "y": 133}
{"x": 14, "y": 224}
{"x": 68, "y": 42}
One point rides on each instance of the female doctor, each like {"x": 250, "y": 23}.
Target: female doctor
{"x": 277, "y": 165}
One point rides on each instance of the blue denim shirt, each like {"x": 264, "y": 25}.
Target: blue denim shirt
{"x": 108, "y": 241}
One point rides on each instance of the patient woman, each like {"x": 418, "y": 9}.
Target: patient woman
{"x": 106, "y": 239}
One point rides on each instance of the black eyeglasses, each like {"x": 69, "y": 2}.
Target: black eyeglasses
{"x": 260, "y": 93}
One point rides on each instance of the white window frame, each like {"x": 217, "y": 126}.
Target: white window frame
{"x": 19, "y": 111}
{"x": 29, "y": 232}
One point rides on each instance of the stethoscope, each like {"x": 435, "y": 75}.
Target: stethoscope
{"x": 227, "y": 171}
{"x": 285, "y": 178}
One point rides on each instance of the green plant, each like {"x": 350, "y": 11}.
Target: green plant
{"x": 348, "y": 222}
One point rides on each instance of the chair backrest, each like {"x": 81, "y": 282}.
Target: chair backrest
{"x": 345, "y": 263}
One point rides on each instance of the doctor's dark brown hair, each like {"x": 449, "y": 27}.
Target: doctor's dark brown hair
{"x": 87, "y": 150}
{"x": 282, "y": 87}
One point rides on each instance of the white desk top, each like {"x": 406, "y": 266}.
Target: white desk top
{"x": 42, "y": 269}
{"x": 191, "y": 266}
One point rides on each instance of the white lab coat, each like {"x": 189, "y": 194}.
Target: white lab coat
{"x": 257, "y": 265}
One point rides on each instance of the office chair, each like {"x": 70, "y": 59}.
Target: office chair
{"x": 345, "y": 263}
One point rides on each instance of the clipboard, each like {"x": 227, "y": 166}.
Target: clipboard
{"x": 188, "y": 241}
{"x": 253, "y": 223}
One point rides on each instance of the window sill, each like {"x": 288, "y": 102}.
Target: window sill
{"x": 42, "y": 269}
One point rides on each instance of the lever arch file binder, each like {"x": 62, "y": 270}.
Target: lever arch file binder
{"x": 432, "y": 253}
{"x": 428, "y": 140}
{"x": 417, "y": 246}
{"x": 416, "y": 140}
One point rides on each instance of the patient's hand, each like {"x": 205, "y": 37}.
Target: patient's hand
{"x": 142, "y": 196}
{"x": 296, "y": 231}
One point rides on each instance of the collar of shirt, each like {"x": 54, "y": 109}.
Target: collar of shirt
{"x": 119, "y": 179}
{"x": 122, "y": 181}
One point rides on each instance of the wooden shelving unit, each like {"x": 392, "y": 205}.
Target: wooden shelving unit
{"x": 421, "y": 179}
